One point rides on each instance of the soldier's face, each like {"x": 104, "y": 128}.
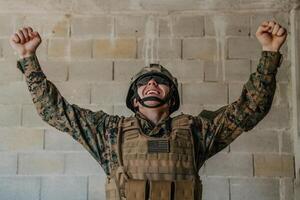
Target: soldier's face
{"x": 154, "y": 89}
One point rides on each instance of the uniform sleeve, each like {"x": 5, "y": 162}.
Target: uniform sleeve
{"x": 221, "y": 127}
{"x": 85, "y": 126}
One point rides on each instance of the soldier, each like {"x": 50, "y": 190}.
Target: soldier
{"x": 151, "y": 155}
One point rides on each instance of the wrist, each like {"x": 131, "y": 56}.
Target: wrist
{"x": 265, "y": 48}
{"x": 26, "y": 55}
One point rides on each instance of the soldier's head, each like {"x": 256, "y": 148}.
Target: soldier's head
{"x": 153, "y": 87}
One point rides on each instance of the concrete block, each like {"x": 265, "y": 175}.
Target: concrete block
{"x": 287, "y": 189}
{"x": 246, "y": 189}
{"x": 213, "y": 71}
{"x": 41, "y": 163}
{"x": 229, "y": 24}
{"x": 215, "y": 189}
{"x": 21, "y": 139}
{"x": 277, "y": 118}
{"x": 282, "y": 94}
{"x": 191, "y": 109}
{"x": 91, "y": 71}
{"x": 59, "y": 141}
{"x": 49, "y": 26}
{"x": 182, "y": 26}
{"x": 20, "y": 187}
{"x": 185, "y": 70}
{"x": 97, "y": 187}
{"x": 9, "y": 71}
{"x": 81, "y": 49}
{"x": 109, "y": 93}
{"x": 30, "y": 117}
{"x": 169, "y": 5}
{"x": 75, "y": 92}
{"x": 64, "y": 187}
{"x": 274, "y": 165}
{"x": 81, "y": 163}
{"x": 55, "y": 70}
{"x": 130, "y": 25}
{"x": 92, "y": 26}
{"x": 204, "y": 93}
{"x": 235, "y": 91}
{"x": 236, "y": 48}
{"x": 115, "y": 48}
{"x": 8, "y": 164}
{"x": 230, "y": 164}
{"x": 6, "y": 50}
{"x": 14, "y": 93}
{"x": 256, "y": 141}
{"x": 90, "y": 6}
{"x": 286, "y": 142}
{"x": 125, "y": 69}
{"x": 10, "y": 115}
{"x": 200, "y": 48}
{"x": 237, "y": 70}
{"x": 152, "y": 49}
{"x": 59, "y": 48}
{"x": 6, "y": 25}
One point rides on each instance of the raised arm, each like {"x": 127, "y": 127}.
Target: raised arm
{"x": 221, "y": 127}
{"x": 85, "y": 126}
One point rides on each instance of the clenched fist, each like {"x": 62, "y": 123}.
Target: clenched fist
{"x": 25, "y": 41}
{"x": 271, "y": 35}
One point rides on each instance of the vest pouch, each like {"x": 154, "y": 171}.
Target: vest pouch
{"x": 184, "y": 190}
{"x": 160, "y": 190}
{"x": 111, "y": 190}
{"x": 135, "y": 189}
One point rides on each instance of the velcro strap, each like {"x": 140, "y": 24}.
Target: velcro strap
{"x": 184, "y": 190}
{"x": 135, "y": 189}
{"x": 160, "y": 190}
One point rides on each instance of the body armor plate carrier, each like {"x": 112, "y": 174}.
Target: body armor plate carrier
{"x": 155, "y": 168}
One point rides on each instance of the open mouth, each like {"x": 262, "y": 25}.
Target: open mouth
{"x": 151, "y": 92}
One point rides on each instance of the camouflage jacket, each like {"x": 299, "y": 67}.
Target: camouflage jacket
{"x": 97, "y": 131}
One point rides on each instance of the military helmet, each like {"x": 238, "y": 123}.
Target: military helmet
{"x": 158, "y": 70}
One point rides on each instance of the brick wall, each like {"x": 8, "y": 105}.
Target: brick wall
{"x": 91, "y": 48}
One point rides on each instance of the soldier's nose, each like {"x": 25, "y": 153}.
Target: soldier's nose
{"x": 152, "y": 82}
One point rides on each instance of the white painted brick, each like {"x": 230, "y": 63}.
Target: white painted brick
{"x": 59, "y": 141}
{"x": 249, "y": 189}
{"x": 182, "y": 26}
{"x": 122, "y": 110}
{"x": 14, "y": 93}
{"x": 109, "y": 93}
{"x": 256, "y": 141}
{"x": 8, "y": 164}
{"x": 159, "y": 48}
{"x": 230, "y": 164}
{"x": 59, "y": 48}
{"x": 64, "y": 187}
{"x": 75, "y": 92}
{"x": 81, "y": 49}
{"x": 30, "y": 117}
{"x": 286, "y": 142}
{"x": 231, "y": 24}
{"x": 97, "y": 187}
{"x": 287, "y": 189}
{"x": 199, "y": 48}
{"x": 215, "y": 189}
{"x": 204, "y": 93}
{"x": 9, "y": 71}
{"x": 10, "y": 115}
{"x": 55, "y": 70}
{"x": 236, "y": 48}
{"x": 130, "y": 25}
{"x": 125, "y": 69}
{"x": 213, "y": 71}
{"x": 41, "y": 163}
{"x": 18, "y": 139}
{"x": 20, "y": 187}
{"x": 190, "y": 109}
{"x": 81, "y": 163}
{"x": 6, "y": 25}
{"x": 274, "y": 165}
{"x": 167, "y": 5}
{"x": 91, "y": 26}
{"x": 91, "y": 71}
{"x": 185, "y": 70}
{"x": 237, "y": 70}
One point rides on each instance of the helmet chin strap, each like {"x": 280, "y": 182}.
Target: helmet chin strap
{"x": 161, "y": 101}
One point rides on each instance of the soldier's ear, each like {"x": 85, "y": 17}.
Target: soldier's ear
{"x": 135, "y": 103}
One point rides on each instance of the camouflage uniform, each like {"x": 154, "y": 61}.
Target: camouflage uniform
{"x": 97, "y": 131}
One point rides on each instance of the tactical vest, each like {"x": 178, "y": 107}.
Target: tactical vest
{"x": 153, "y": 168}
